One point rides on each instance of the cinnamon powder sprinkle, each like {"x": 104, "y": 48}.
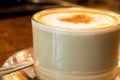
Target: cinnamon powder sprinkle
{"x": 80, "y": 18}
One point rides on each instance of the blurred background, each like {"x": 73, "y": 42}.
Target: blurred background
{"x": 14, "y": 7}
{"x": 113, "y": 5}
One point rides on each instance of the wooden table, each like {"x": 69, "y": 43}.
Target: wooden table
{"x": 15, "y": 35}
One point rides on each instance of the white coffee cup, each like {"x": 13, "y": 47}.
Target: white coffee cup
{"x": 76, "y": 44}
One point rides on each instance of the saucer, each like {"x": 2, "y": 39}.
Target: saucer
{"x": 24, "y": 74}
{"x": 27, "y": 73}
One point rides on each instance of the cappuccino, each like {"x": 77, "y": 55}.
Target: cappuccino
{"x": 77, "y": 19}
{"x": 76, "y": 44}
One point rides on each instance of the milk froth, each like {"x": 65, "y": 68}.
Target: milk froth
{"x": 77, "y": 19}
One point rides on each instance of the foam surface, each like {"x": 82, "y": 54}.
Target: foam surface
{"x": 76, "y": 20}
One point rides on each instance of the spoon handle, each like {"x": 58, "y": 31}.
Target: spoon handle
{"x": 15, "y": 67}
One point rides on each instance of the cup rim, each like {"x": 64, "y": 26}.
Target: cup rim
{"x": 82, "y": 31}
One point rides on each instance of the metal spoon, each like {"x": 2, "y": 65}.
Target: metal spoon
{"x": 12, "y": 68}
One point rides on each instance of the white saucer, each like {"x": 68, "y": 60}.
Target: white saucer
{"x": 27, "y": 73}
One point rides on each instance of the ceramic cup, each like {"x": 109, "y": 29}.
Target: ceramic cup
{"x": 75, "y": 44}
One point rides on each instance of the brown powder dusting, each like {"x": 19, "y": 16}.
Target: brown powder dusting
{"x": 80, "y": 18}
